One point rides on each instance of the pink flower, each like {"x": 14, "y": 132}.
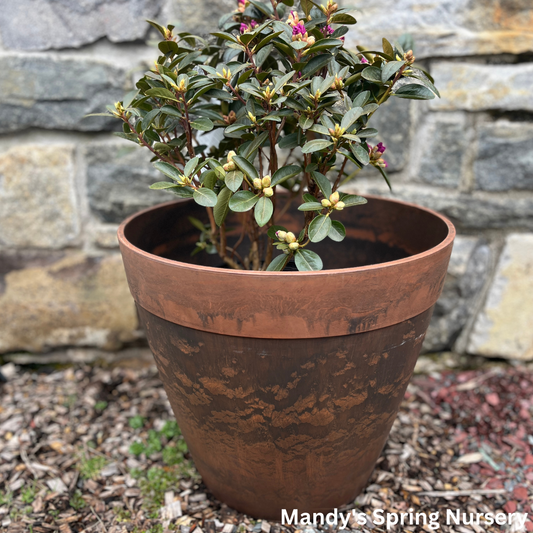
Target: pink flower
{"x": 329, "y": 30}
{"x": 244, "y": 27}
{"x": 254, "y": 24}
{"x": 364, "y": 60}
{"x": 381, "y": 148}
{"x": 299, "y": 29}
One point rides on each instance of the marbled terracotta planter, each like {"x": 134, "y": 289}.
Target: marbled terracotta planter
{"x": 286, "y": 385}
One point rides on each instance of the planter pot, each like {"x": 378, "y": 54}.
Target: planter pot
{"x": 286, "y": 385}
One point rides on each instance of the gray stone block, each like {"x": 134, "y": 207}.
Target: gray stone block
{"x": 394, "y": 123}
{"x": 448, "y": 27}
{"x": 505, "y": 156}
{"x": 478, "y": 211}
{"x": 441, "y": 144}
{"x": 474, "y": 87}
{"x": 467, "y": 275}
{"x": 504, "y": 328}
{"x": 118, "y": 178}
{"x": 54, "y": 24}
{"x": 37, "y": 200}
{"x": 199, "y": 16}
{"x": 53, "y": 93}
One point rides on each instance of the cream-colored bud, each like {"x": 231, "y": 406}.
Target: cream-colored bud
{"x": 281, "y": 235}
{"x": 290, "y": 237}
{"x": 257, "y": 183}
{"x": 310, "y": 41}
{"x": 340, "y": 206}
{"x": 268, "y": 192}
{"x": 252, "y": 117}
{"x": 326, "y": 203}
{"x": 228, "y": 167}
{"x": 294, "y": 246}
{"x": 230, "y": 156}
{"x": 334, "y": 198}
{"x": 266, "y": 181}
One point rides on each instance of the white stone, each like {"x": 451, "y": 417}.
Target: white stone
{"x": 475, "y": 87}
{"x": 447, "y": 27}
{"x": 504, "y": 328}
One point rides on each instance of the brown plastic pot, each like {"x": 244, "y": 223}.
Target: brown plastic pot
{"x": 286, "y": 385}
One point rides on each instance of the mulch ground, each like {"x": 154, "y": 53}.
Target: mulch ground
{"x": 94, "y": 449}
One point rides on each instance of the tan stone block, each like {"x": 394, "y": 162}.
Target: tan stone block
{"x": 504, "y": 328}
{"x": 73, "y": 300}
{"x": 37, "y": 199}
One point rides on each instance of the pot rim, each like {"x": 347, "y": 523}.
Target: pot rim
{"x": 123, "y": 241}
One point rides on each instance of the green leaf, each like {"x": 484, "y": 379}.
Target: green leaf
{"x": 160, "y": 92}
{"x": 387, "y": 47}
{"x": 128, "y": 99}
{"x": 221, "y": 210}
{"x": 205, "y": 197}
{"x": 289, "y": 141}
{"x": 190, "y": 167}
{"x": 309, "y": 198}
{"x": 171, "y": 110}
{"x": 306, "y": 5}
{"x": 255, "y": 144}
{"x": 390, "y": 69}
{"x": 277, "y": 264}
{"x": 360, "y": 154}
{"x": 225, "y": 36}
{"x": 307, "y": 261}
{"x": 337, "y": 232}
{"x": 266, "y": 40}
{"x": 414, "y": 92}
{"x": 361, "y": 99}
{"x": 324, "y": 44}
{"x": 319, "y": 228}
{"x": 385, "y": 177}
{"x": 316, "y": 64}
{"x": 351, "y": 199}
{"x": 162, "y": 185}
{"x": 343, "y": 18}
{"x": 316, "y": 145}
{"x": 209, "y": 179}
{"x": 263, "y": 55}
{"x": 168, "y": 170}
{"x": 198, "y": 224}
{"x": 323, "y": 183}
{"x": 351, "y": 117}
{"x": 311, "y": 206}
{"x": 202, "y": 124}
{"x": 246, "y": 166}
{"x": 183, "y": 192}
{"x": 285, "y": 173}
{"x": 234, "y": 180}
{"x": 367, "y": 133}
{"x": 372, "y": 74}
{"x": 157, "y": 26}
{"x": 283, "y": 80}
{"x": 243, "y": 201}
{"x": 263, "y": 211}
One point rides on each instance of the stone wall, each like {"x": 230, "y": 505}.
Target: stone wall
{"x": 66, "y": 182}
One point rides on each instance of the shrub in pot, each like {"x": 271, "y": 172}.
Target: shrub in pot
{"x": 285, "y": 383}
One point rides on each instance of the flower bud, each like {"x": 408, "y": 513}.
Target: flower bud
{"x": 294, "y": 246}
{"x": 310, "y": 40}
{"x": 340, "y": 206}
{"x": 266, "y": 181}
{"x": 257, "y": 183}
{"x": 230, "y": 156}
{"x": 252, "y": 117}
{"x": 290, "y": 237}
{"x": 228, "y": 167}
{"x": 268, "y": 192}
{"x": 326, "y": 203}
{"x": 281, "y": 235}
{"x": 334, "y": 198}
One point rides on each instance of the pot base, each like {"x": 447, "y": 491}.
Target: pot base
{"x": 285, "y": 424}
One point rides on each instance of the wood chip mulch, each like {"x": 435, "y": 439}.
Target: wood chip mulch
{"x": 97, "y": 450}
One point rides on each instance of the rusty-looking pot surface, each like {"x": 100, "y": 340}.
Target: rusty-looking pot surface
{"x": 286, "y": 384}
